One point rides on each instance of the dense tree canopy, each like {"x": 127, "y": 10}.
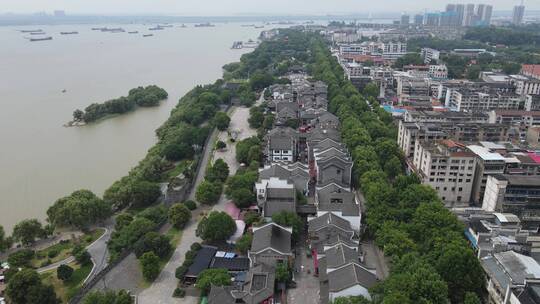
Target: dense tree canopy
{"x": 208, "y": 193}
{"x": 179, "y": 215}
{"x": 108, "y": 297}
{"x": 221, "y": 120}
{"x": 217, "y": 226}
{"x": 27, "y": 231}
{"x": 150, "y": 265}
{"x": 155, "y": 242}
{"x": 143, "y": 97}
{"x": 25, "y": 287}
{"x": 209, "y": 277}
{"x": 80, "y": 209}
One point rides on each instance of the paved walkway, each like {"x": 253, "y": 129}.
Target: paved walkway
{"x": 160, "y": 292}
{"x": 307, "y": 285}
{"x": 98, "y": 252}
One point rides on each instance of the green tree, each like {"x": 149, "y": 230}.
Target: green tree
{"x": 64, "y": 272}
{"x": 473, "y": 72}
{"x": 5, "y": 242}
{"x": 393, "y": 167}
{"x": 283, "y": 273}
{"x": 144, "y": 193}
{"x": 243, "y": 149}
{"x": 78, "y": 115}
{"x": 221, "y": 120}
{"x": 122, "y": 220}
{"x": 21, "y": 258}
{"x": 208, "y": 193}
{"x": 471, "y": 298}
{"x": 153, "y": 242}
{"x": 243, "y": 197}
{"x": 108, "y": 297}
{"x": 220, "y": 145}
{"x": 150, "y": 266}
{"x": 217, "y": 226}
{"x": 25, "y": 287}
{"x": 209, "y": 277}
{"x": 244, "y": 243}
{"x": 351, "y": 300}
{"x": 80, "y": 209}
{"x": 27, "y": 231}
{"x": 191, "y": 205}
{"x": 371, "y": 90}
{"x": 251, "y": 217}
{"x": 218, "y": 172}
{"x": 289, "y": 219}
{"x": 256, "y": 117}
{"x": 176, "y": 151}
{"x": 82, "y": 257}
{"x": 179, "y": 215}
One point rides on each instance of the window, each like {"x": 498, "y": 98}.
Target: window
{"x": 338, "y": 171}
{"x": 459, "y": 198}
{"x": 460, "y": 189}
{"x": 276, "y": 151}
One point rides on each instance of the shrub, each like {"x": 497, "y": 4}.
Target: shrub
{"x": 64, "y": 272}
{"x": 21, "y": 258}
{"x": 53, "y": 253}
{"x": 179, "y": 215}
{"x": 181, "y": 272}
{"x": 195, "y": 246}
{"x": 191, "y": 205}
{"x": 179, "y": 293}
{"x": 83, "y": 257}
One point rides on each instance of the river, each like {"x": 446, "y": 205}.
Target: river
{"x": 41, "y": 161}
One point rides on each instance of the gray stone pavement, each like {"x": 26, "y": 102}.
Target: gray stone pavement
{"x": 307, "y": 285}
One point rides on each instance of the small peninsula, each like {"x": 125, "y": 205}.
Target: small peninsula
{"x": 149, "y": 96}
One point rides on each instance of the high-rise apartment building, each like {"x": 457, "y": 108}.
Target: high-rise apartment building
{"x": 418, "y": 19}
{"x": 517, "y": 16}
{"x": 405, "y": 19}
{"x": 468, "y": 16}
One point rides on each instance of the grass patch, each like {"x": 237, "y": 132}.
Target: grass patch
{"x": 174, "y": 172}
{"x": 62, "y": 250}
{"x": 66, "y": 290}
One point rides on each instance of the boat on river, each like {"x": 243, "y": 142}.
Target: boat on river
{"x": 69, "y": 33}
{"x": 207, "y": 24}
{"x": 40, "y": 39}
{"x": 31, "y": 31}
{"x": 133, "y": 32}
{"x": 148, "y": 35}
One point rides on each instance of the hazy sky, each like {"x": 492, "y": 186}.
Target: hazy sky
{"x": 232, "y": 7}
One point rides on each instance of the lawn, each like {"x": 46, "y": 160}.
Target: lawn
{"x": 62, "y": 250}
{"x": 66, "y": 290}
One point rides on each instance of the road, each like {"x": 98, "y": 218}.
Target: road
{"x": 97, "y": 250}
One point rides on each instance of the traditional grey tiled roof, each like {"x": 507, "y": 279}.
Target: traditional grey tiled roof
{"x": 271, "y": 236}
{"x": 334, "y": 160}
{"x": 281, "y": 193}
{"x": 259, "y": 286}
{"x": 271, "y": 207}
{"x": 286, "y": 113}
{"x": 334, "y": 198}
{"x": 332, "y": 152}
{"x": 295, "y": 173}
{"x": 329, "y": 143}
{"x": 329, "y": 219}
{"x": 340, "y": 255}
{"x": 350, "y": 275}
{"x": 281, "y": 138}
{"x": 318, "y": 134}
{"x": 282, "y": 105}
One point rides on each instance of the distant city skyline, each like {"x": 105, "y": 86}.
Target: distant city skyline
{"x": 242, "y": 7}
